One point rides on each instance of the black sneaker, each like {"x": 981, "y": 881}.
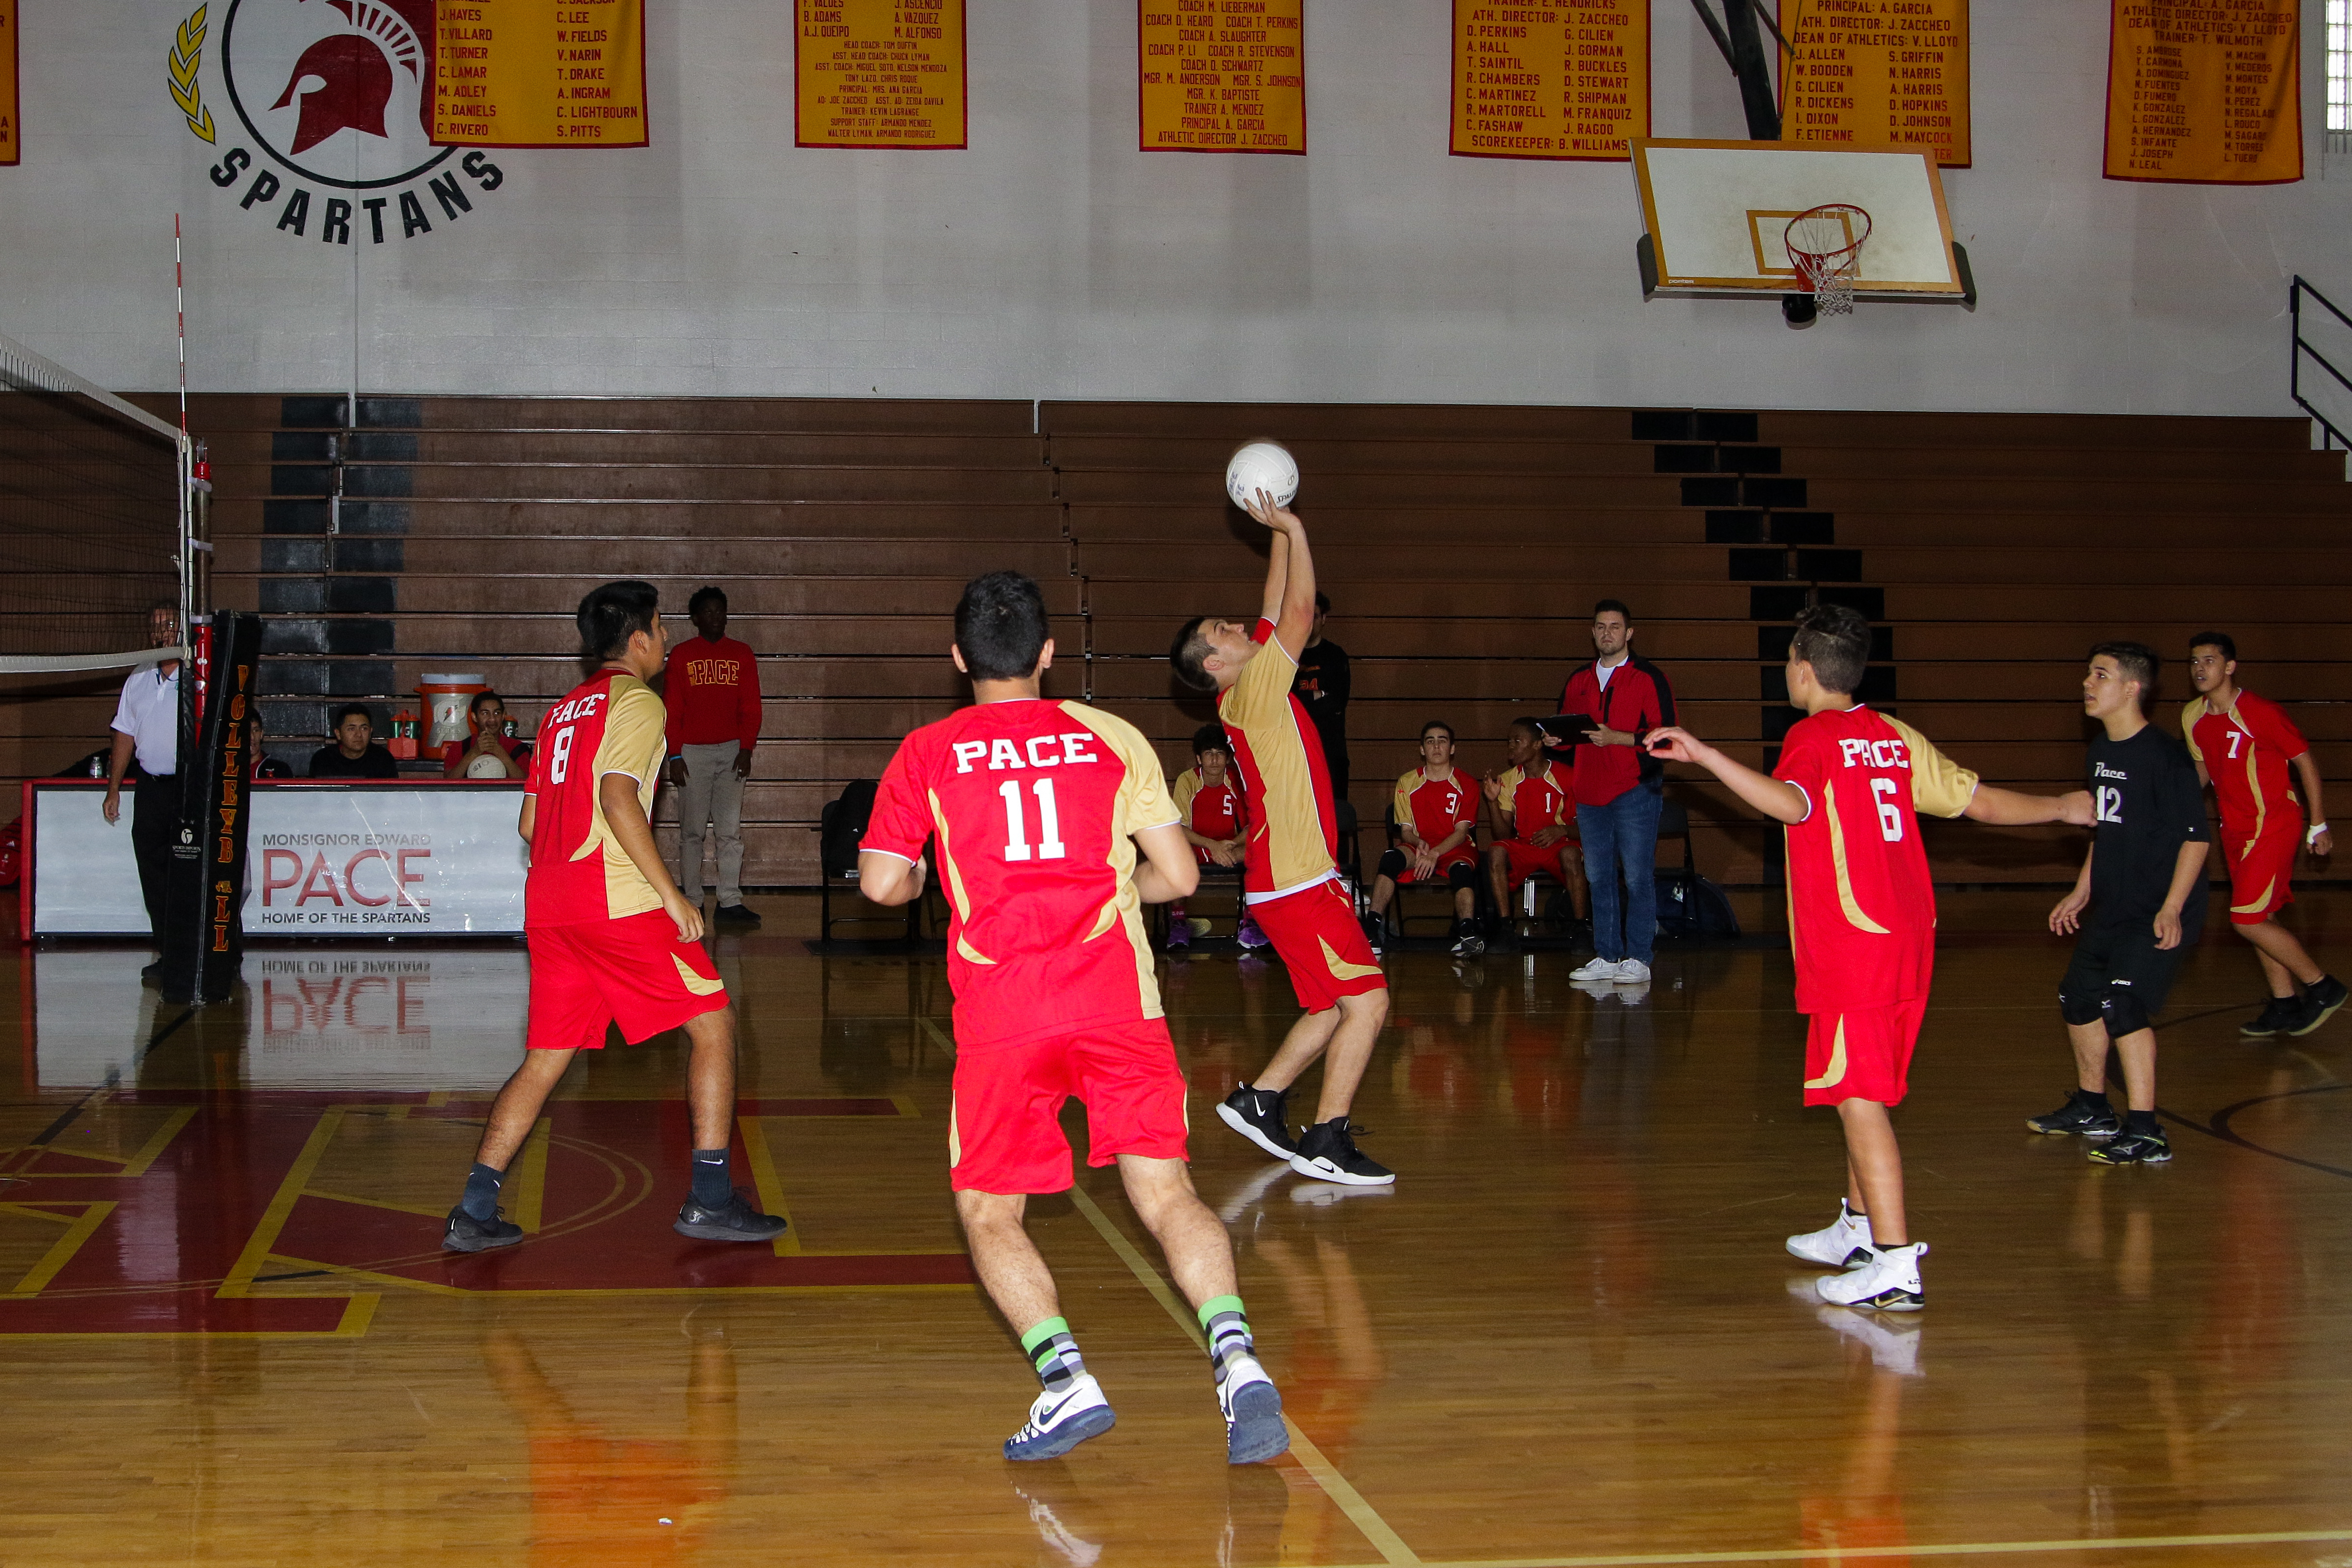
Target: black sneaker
{"x": 2086, "y": 1118}
{"x": 1372, "y": 932}
{"x": 1262, "y": 1116}
{"x": 2277, "y": 1014}
{"x": 1328, "y": 1152}
{"x": 1467, "y": 943}
{"x": 2133, "y": 1149}
{"x": 2319, "y": 1004}
{"x": 734, "y": 1220}
{"x": 467, "y": 1234}
{"x": 738, "y": 914}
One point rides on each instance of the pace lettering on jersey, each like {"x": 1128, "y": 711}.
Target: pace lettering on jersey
{"x": 1004, "y": 754}
{"x": 2101, "y": 770}
{"x": 713, "y": 672}
{"x": 578, "y": 708}
{"x": 1860, "y": 753}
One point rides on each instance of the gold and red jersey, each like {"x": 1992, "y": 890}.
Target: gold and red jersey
{"x": 1294, "y": 835}
{"x": 1032, "y": 803}
{"x": 609, "y": 723}
{"x": 1862, "y": 907}
{"x": 1433, "y": 808}
{"x": 1537, "y": 801}
{"x": 1212, "y": 810}
{"x": 2246, "y": 752}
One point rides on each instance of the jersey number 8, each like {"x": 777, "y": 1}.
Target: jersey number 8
{"x": 559, "y": 756}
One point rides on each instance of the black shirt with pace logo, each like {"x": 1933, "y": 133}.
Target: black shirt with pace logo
{"x": 2148, "y": 803}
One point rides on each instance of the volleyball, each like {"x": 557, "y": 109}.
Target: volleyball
{"x": 1261, "y": 466}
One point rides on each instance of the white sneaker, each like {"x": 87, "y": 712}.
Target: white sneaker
{"x": 1632, "y": 972}
{"x": 1060, "y": 1422}
{"x": 1254, "y": 1430}
{"x": 1887, "y": 1282}
{"x": 1597, "y": 970}
{"x": 1844, "y": 1243}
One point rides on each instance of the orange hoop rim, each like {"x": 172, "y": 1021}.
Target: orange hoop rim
{"x": 1808, "y": 261}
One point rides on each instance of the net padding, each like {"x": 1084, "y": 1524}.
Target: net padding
{"x": 1825, "y": 245}
{"x": 92, "y": 520}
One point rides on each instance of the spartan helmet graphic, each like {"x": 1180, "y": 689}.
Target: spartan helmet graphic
{"x": 344, "y": 81}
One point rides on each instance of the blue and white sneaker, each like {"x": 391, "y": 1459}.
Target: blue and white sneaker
{"x": 1254, "y": 1429}
{"x": 1060, "y": 1422}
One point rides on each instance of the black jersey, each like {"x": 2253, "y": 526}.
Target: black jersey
{"x": 2148, "y": 803}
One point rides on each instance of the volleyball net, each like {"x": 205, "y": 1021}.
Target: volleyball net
{"x": 95, "y": 522}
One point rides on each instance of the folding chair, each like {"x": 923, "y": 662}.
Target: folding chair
{"x": 840, "y": 826}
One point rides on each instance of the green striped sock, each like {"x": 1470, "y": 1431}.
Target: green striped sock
{"x": 1055, "y": 1353}
{"x": 1226, "y": 1322}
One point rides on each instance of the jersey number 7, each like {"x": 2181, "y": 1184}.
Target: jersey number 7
{"x": 1049, "y": 821}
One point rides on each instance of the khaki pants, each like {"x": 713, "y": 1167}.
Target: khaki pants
{"x": 712, "y": 796}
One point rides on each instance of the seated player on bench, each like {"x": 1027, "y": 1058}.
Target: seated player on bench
{"x": 1208, "y": 795}
{"x": 1533, "y": 821}
{"x": 1437, "y": 819}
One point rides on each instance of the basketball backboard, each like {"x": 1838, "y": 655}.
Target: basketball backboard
{"x": 1717, "y": 213}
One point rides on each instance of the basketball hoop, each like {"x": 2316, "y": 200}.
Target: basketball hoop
{"x": 1825, "y": 247}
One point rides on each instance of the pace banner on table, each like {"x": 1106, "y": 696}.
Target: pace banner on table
{"x": 395, "y": 860}
{"x": 2206, "y": 94}
{"x": 1570, "y": 79}
{"x": 1869, "y": 74}
{"x": 1222, "y": 76}
{"x": 540, "y": 73}
{"x": 878, "y": 73}
{"x": 11, "y": 143}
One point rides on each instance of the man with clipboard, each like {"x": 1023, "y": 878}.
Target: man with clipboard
{"x": 1606, "y": 709}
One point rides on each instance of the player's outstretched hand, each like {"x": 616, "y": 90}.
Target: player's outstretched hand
{"x": 2076, "y": 807}
{"x": 2068, "y": 915}
{"x": 1281, "y": 520}
{"x": 687, "y": 918}
{"x": 1675, "y": 743}
{"x": 2167, "y": 930}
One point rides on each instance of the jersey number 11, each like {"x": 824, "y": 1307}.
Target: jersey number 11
{"x": 1049, "y": 822}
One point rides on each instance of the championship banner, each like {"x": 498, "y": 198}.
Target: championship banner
{"x": 540, "y": 73}
{"x": 878, "y": 73}
{"x": 2206, "y": 94}
{"x": 1858, "y": 78}
{"x": 11, "y": 145}
{"x": 1570, "y": 79}
{"x": 1222, "y": 76}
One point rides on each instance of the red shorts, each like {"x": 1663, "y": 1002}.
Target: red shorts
{"x": 1523, "y": 859}
{"x": 2259, "y": 879}
{"x": 633, "y": 971}
{"x": 1862, "y": 1054}
{"x": 1004, "y": 1129}
{"x": 1460, "y": 854}
{"x": 1315, "y": 934}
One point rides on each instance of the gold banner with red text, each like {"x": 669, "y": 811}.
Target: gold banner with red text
{"x": 879, "y": 73}
{"x": 1569, "y": 78}
{"x": 1864, "y": 73}
{"x": 540, "y": 73}
{"x": 2205, "y": 94}
{"x": 1222, "y": 76}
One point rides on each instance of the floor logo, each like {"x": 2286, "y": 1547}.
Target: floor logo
{"x": 338, "y": 94}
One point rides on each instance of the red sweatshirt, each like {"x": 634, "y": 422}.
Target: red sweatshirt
{"x": 712, "y": 691}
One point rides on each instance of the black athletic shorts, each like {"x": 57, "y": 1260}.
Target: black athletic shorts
{"x": 2122, "y": 959}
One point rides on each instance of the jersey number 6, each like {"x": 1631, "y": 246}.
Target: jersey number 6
{"x": 1890, "y": 816}
{"x": 1049, "y": 822}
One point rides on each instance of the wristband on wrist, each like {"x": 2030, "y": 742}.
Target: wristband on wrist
{"x": 2310, "y": 834}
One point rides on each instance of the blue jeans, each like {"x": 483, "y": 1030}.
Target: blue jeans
{"x": 1622, "y": 834}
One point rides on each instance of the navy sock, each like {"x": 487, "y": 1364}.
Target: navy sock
{"x": 713, "y": 1185}
{"x": 481, "y": 1199}
{"x": 2097, "y": 1101}
{"x": 2142, "y": 1123}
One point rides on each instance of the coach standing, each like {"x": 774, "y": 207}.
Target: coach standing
{"x": 147, "y": 724}
{"x": 711, "y": 687}
{"x": 1619, "y": 789}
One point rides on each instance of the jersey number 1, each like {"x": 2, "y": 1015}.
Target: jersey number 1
{"x": 1049, "y": 822}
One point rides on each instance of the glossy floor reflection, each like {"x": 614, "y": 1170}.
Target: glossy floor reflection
{"x": 1567, "y": 1336}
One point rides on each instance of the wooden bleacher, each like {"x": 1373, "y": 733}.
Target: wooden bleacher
{"x": 1463, "y": 547}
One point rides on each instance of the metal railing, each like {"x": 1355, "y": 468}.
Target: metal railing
{"x": 2332, "y": 434}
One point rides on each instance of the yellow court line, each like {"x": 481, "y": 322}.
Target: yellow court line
{"x": 61, "y": 1252}
{"x": 1867, "y": 1554}
{"x": 1337, "y": 1487}
{"x": 771, "y": 1190}
{"x": 249, "y": 1263}
{"x": 438, "y": 1097}
{"x": 529, "y": 1197}
{"x": 329, "y": 1196}
{"x": 154, "y": 1146}
{"x": 27, "y": 1211}
{"x": 906, "y": 1105}
{"x": 939, "y": 1035}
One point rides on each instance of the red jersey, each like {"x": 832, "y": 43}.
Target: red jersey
{"x": 609, "y": 723}
{"x": 712, "y": 690}
{"x": 1212, "y": 810}
{"x": 1435, "y": 808}
{"x": 1537, "y": 801}
{"x": 2245, "y": 752}
{"x": 1031, "y": 802}
{"x": 1294, "y": 841}
{"x": 1862, "y": 908}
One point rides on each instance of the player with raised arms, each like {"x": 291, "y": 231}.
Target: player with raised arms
{"x": 1038, "y": 808}
{"x": 1862, "y": 924}
{"x": 611, "y": 939}
{"x": 1290, "y": 872}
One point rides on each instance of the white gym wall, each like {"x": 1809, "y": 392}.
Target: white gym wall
{"x": 1053, "y": 259}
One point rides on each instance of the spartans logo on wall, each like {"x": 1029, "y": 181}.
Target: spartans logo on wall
{"x": 338, "y": 97}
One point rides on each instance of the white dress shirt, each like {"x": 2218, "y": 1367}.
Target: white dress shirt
{"x": 149, "y": 714}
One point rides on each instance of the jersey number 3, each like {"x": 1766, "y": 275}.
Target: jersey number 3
{"x": 1049, "y": 822}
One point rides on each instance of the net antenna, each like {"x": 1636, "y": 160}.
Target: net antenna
{"x": 96, "y": 522}
{"x": 1825, "y": 247}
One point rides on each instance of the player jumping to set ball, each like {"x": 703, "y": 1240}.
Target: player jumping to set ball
{"x": 1291, "y": 874}
{"x": 611, "y": 939}
{"x": 1862, "y": 924}
{"x": 1038, "y": 808}
{"x": 2241, "y": 745}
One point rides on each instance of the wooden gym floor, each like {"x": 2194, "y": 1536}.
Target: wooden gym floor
{"x": 1569, "y": 1336}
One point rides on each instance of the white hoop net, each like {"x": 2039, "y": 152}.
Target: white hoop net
{"x": 1826, "y": 245}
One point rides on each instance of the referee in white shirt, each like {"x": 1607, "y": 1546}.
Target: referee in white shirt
{"x": 147, "y": 722}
